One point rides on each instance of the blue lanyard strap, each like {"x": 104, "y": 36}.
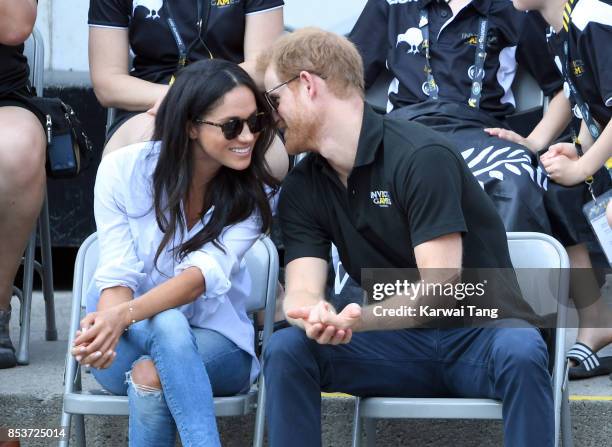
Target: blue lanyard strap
{"x": 476, "y": 72}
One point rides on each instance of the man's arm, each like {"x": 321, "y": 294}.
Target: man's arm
{"x": 305, "y": 280}
{"x": 16, "y": 21}
{"x": 439, "y": 262}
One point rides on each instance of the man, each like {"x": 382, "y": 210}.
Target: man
{"x": 22, "y": 157}
{"x": 389, "y": 194}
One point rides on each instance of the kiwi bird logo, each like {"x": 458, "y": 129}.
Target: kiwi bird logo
{"x": 153, "y": 6}
{"x": 413, "y": 37}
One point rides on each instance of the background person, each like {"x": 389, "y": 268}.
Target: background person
{"x": 587, "y": 31}
{"x": 175, "y": 218}
{"x": 22, "y": 157}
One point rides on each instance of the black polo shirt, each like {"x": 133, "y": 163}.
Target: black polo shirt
{"x": 407, "y": 187}
{"x": 388, "y": 34}
{"x": 155, "y": 49}
{"x": 590, "y": 55}
{"x": 15, "y": 71}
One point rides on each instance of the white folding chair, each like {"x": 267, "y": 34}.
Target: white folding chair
{"x": 528, "y": 251}
{"x": 34, "y": 52}
{"x": 262, "y": 263}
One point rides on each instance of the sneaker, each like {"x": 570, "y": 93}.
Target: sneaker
{"x": 7, "y": 351}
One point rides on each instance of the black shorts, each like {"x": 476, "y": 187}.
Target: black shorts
{"x": 20, "y": 98}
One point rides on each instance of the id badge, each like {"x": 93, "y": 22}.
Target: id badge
{"x": 595, "y": 212}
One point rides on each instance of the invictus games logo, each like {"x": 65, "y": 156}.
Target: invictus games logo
{"x": 578, "y": 67}
{"x": 381, "y": 198}
{"x": 223, "y": 3}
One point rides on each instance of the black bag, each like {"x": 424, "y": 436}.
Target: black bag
{"x": 69, "y": 150}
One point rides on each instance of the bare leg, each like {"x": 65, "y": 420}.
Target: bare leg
{"x": 595, "y": 316}
{"x": 22, "y": 185}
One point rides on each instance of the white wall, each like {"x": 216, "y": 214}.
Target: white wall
{"x": 63, "y": 24}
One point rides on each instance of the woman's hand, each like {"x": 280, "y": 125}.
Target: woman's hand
{"x": 100, "y": 332}
{"x": 510, "y": 135}
{"x": 565, "y": 149}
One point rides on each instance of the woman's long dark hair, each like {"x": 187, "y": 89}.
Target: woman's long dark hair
{"x": 235, "y": 195}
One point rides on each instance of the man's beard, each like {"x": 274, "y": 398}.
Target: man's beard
{"x": 301, "y": 134}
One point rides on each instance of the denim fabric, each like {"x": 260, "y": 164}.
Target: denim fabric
{"x": 193, "y": 364}
{"x": 509, "y": 364}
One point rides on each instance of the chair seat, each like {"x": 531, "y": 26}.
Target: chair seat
{"x": 100, "y": 402}
{"x": 426, "y": 408}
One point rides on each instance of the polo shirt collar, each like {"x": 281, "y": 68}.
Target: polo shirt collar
{"x": 482, "y": 6}
{"x": 370, "y": 137}
{"x": 369, "y": 140}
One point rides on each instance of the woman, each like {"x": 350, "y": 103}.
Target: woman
{"x": 175, "y": 217}
{"x": 163, "y": 35}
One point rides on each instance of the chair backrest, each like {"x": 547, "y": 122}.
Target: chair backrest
{"x": 34, "y": 51}
{"x": 541, "y": 265}
{"x": 527, "y": 93}
{"x": 261, "y": 261}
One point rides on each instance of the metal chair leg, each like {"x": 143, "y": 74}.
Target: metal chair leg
{"x": 65, "y": 424}
{"x": 357, "y": 424}
{"x": 79, "y": 430}
{"x": 260, "y": 415}
{"x": 566, "y": 420}
{"x": 23, "y": 356}
{"x": 47, "y": 271}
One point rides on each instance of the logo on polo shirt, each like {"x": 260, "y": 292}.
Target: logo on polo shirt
{"x": 381, "y": 198}
{"x": 578, "y": 67}
{"x": 152, "y": 7}
{"x": 223, "y": 3}
{"x": 413, "y": 37}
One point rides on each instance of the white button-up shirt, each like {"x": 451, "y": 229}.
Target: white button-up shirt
{"x": 129, "y": 236}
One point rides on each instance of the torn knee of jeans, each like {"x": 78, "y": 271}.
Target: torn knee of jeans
{"x": 142, "y": 390}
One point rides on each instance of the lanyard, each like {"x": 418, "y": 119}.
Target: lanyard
{"x": 202, "y": 24}
{"x": 575, "y": 97}
{"x": 476, "y": 72}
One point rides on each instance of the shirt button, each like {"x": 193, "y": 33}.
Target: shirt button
{"x": 443, "y": 14}
{"x": 353, "y": 192}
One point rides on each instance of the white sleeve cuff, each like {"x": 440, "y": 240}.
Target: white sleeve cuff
{"x": 217, "y": 283}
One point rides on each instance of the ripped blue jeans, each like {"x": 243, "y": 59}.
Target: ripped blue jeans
{"x": 193, "y": 364}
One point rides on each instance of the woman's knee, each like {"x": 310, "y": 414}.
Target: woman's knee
{"x": 172, "y": 329}
{"x": 22, "y": 148}
{"x": 144, "y": 376}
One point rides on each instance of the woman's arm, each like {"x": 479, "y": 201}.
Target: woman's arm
{"x": 16, "y": 21}
{"x": 109, "y": 68}
{"x": 261, "y": 30}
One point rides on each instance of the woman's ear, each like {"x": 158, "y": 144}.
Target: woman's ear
{"x": 192, "y": 130}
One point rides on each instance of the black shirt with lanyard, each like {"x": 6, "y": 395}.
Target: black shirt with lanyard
{"x": 430, "y": 86}
{"x": 203, "y": 15}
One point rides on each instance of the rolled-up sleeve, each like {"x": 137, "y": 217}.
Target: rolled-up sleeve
{"x": 219, "y": 262}
{"x": 118, "y": 264}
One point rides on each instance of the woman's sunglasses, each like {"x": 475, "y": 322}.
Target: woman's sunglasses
{"x": 232, "y": 128}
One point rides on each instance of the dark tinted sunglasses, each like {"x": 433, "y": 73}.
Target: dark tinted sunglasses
{"x": 232, "y": 128}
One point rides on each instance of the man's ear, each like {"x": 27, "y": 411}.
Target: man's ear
{"x": 308, "y": 80}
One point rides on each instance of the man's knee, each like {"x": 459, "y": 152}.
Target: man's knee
{"x": 286, "y": 345}
{"x": 520, "y": 349}
{"x": 144, "y": 376}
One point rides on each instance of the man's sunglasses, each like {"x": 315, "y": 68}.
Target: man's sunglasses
{"x": 274, "y": 100}
{"x": 232, "y": 128}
